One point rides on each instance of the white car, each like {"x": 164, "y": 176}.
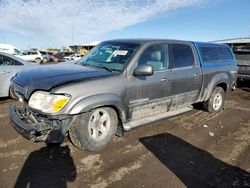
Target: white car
{"x": 74, "y": 57}
{"x": 9, "y": 49}
{"x": 9, "y": 66}
{"x": 34, "y": 56}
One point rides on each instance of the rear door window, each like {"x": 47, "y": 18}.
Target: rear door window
{"x": 181, "y": 55}
{"x": 25, "y": 53}
{"x": 32, "y": 53}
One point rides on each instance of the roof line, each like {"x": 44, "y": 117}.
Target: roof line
{"x": 240, "y": 38}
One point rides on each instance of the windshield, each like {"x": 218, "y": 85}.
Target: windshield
{"x": 16, "y": 51}
{"x": 110, "y": 55}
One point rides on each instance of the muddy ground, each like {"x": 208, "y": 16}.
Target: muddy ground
{"x": 196, "y": 149}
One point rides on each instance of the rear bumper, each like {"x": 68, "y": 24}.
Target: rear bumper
{"x": 244, "y": 72}
{"x": 38, "y": 131}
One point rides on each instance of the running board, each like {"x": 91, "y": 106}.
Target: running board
{"x": 136, "y": 123}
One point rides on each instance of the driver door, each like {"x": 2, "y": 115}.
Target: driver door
{"x": 147, "y": 95}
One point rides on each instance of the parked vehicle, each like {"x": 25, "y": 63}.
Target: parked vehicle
{"x": 33, "y": 56}
{"x": 243, "y": 59}
{"x": 59, "y": 57}
{"x": 9, "y": 49}
{"x": 74, "y": 57}
{"x": 120, "y": 85}
{"x": 9, "y": 66}
{"x": 46, "y": 56}
{"x": 241, "y": 49}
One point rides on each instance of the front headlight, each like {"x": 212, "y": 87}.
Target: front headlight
{"x": 48, "y": 103}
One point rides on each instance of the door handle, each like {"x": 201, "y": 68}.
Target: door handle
{"x": 196, "y": 75}
{"x": 164, "y": 80}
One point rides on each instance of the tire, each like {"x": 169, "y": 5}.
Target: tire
{"x": 216, "y": 101}
{"x": 45, "y": 60}
{"x": 93, "y": 130}
{"x": 12, "y": 93}
{"x": 38, "y": 60}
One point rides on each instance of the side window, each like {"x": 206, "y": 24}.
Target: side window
{"x": 25, "y": 53}
{"x": 155, "y": 55}
{"x": 8, "y": 61}
{"x": 1, "y": 61}
{"x": 224, "y": 53}
{"x": 181, "y": 55}
{"x": 209, "y": 54}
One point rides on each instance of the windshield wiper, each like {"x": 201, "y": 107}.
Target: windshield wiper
{"x": 98, "y": 66}
{"x": 106, "y": 68}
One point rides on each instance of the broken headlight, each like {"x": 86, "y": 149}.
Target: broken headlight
{"x": 47, "y": 102}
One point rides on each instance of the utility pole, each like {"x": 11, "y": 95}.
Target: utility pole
{"x": 73, "y": 30}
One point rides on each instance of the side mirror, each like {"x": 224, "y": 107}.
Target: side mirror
{"x": 144, "y": 70}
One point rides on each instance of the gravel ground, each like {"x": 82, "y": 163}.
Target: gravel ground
{"x": 196, "y": 149}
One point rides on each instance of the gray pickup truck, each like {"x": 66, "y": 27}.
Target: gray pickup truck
{"x": 120, "y": 85}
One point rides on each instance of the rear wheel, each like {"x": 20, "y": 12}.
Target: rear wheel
{"x": 95, "y": 129}
{"x": 45, "y": 60}
{"x": 216, "y": 101}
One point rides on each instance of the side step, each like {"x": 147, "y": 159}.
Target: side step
{"x": 136, "y": 123}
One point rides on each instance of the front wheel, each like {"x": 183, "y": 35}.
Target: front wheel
{"x": 12, "y": 93}
{"x": 95, "y": 129}
{"x": 38, "y": 60}
{"x": 216, "y": 101}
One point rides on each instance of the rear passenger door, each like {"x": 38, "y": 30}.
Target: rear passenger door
{"x": 186, "y": 75}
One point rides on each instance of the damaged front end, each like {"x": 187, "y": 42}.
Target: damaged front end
{"x": 37, "y": 127}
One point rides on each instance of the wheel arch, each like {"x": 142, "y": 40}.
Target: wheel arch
{"x": 101, "y": 100}
{"x": 219, "y": 80}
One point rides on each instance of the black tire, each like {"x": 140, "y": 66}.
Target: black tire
{"x": 82, "y": 135}
{"x": 12, "y": 93}
{"x": 216, "y": 101}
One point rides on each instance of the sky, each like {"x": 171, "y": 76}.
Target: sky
{"x": 60, "y": 23}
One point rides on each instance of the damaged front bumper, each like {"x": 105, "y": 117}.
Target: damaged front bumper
{"x": 42, "y": 129}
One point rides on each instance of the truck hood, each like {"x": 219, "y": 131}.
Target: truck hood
{"x": 48, "y": 76}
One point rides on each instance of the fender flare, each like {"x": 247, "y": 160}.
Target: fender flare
{"x": 99, "y": 100}
{"x": 221, "y": 78}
